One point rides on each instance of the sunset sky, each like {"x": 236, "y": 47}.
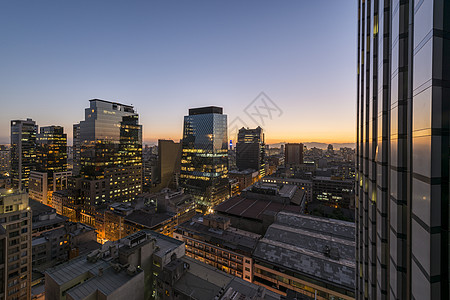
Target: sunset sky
{"x": 165, "y": 57}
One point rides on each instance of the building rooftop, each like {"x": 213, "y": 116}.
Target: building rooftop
{"x": 111, "y": 102}
{"x": 74, "y": 268}
{"x": 205, "y": 110}
{"x": 147, "y": 219}
{"x": 165, "y": 244}
{"x": 8, "y": 192}
{"x": 253, "y": 208}
{"x": 106, "y": 283}
{"x": 321, "y": 248}
{"x": 231, "y": 238}
{"x": 202, "y": 281}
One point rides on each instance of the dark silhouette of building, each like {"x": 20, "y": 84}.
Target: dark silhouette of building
{"x": 250, "y": 151}
{"x": 293, "y": 155}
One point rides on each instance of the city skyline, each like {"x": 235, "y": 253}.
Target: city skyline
{"x": 222, "y": 56}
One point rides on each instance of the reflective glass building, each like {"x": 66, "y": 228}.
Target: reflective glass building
{"x": 402, "y": 202}
{"x": 23, "y": 151}
{"x": 250, "y": 150}
{"x": 204, "y": 160}
{"x": 108, "y": 153}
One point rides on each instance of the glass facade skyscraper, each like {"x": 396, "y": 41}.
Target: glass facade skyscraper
{"x": 403, "y": 122}
{"x": 108, "y": 154}
{"x": 204, "y": 159}
{"x": 23, "y": 151}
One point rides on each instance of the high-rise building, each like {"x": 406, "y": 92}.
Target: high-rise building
{"x": 110, "y": 154}
{"x": 23, "y": 151}
{"x": 169, "y": 157}
{"x": 402, "y": 150}
{"x": 51, "y": 164}
{"x": 293, "y": 155}
{"x": 15, "y": 245}
{"x": 204, "y": 160}
{"x": 5, "y": 158}
{"x": 76, "y": 149}
{"x": 250, "y": 150}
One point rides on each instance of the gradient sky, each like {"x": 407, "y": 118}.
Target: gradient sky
{"x": 165, "y": 57}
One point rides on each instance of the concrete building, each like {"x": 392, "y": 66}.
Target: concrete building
{"x": 250, "y": 150}
{"x": 310, "y": 255}
{"x": 293, "y": 155}
{"x": 211, "y": 239}
{"x": 124, "y": 269}
{"x": 169, "y": 163}
{"x": 303, "y": 184}
{"x": 402, "y": 150}
{"x": 334, "y": 192}
{"x": 160, "y": 212}
{"x": 187, "y": 278}
{"x": 23, "y": 151}
{"x": 245, "y": 178}
{"x": 5, "y": 160}
{"x": 254, "y": 209}
{"x": 41, "y": 187}
{"x": 15, "y": 243}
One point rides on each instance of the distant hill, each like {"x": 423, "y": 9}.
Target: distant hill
{"x": 336, "y": 146}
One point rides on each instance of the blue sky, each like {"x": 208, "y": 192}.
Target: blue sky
{"x": 167, "y": 56}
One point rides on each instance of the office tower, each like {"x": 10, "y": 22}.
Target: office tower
{"x": 5, "y": 157}
{"x": 23, "y": 151}
{"x": 110, "y": 159}
{"x": 169, "y": 157}
{"x": 76, "y": 150}
{"x": 293, "y": 155}
{"x": 402, "y": 216}
{"x": 15, "y": 245}
{"x": 204, "y": 160}
{"x": 51, "y": 164}
{"x": 250, "y": 151}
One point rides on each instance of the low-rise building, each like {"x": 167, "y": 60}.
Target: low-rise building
{"x": 310, "y": 255}
{"x": 124, "y": 269}
{"x": 254, "y": 209}
{"x": 160, "y": 212}
{"x": 187, "y": 278}
{"x": 334, "y": 192}
{"x": 245, "y": 178}
{"x": 303, "y": 184}
{"x": 211, "y": 239}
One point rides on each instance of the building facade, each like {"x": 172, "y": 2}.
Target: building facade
{"x": 293, "y": 155}
{"x": 250, "y": 150}
{"x": 51, "y": 164}
{"x": 310, "y": 255}
{"x": 204, "y": 160}
{"x": 211, "y": 239}
{"x": 15, "y": 243}
{"x": 23, "y": 151}
{"x": 109, "y": 142}
{"x": 402, "y": 150}
{"x": 5, "y": 160}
